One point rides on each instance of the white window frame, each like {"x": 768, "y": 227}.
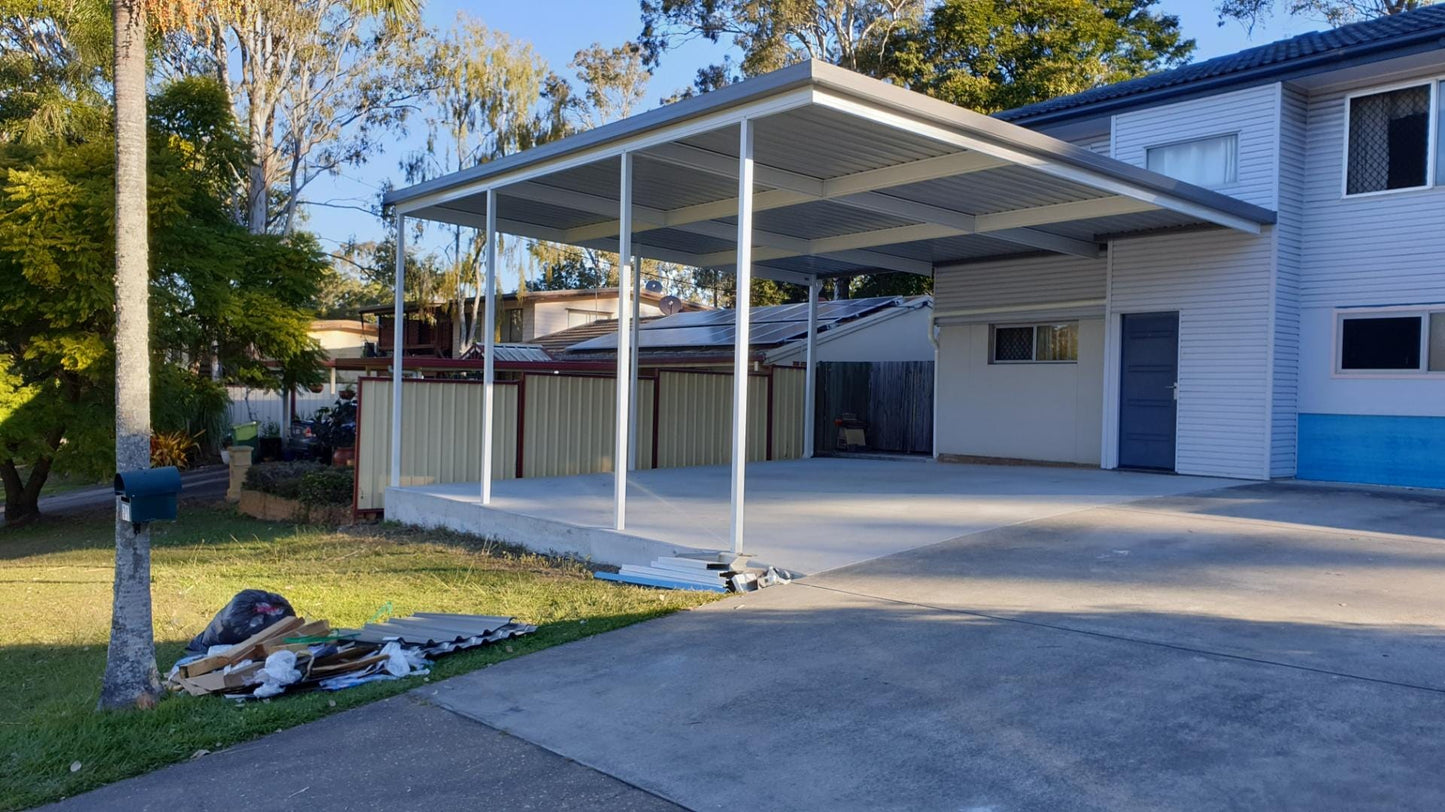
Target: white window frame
{"x": 1422, "y": 311}
{"x": 1034, "y": 339}
{"x": 1233, "y": 169}
{"x": 1432, "y": 136}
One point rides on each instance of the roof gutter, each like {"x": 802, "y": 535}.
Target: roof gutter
{"x": 1338, "y": 58}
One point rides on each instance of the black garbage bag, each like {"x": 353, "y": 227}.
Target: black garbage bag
{"x": 250, "y": 611}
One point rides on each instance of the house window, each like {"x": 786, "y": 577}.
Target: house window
{"x": 1389, "y": 140}
{"x": 1034, "y": 343}
{"x": 1392, "y": 341}
{"x": 577, "y": 318}
{"x": 512, "y": 326}
{"x": 1202, "y": 162}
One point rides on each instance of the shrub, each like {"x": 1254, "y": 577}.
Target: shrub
{"x": 280, "y": 478}
{"x": 327, "y": 486}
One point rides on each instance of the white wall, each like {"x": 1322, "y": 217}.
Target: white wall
{"x": 1049, "y": 412}
{"x": 264, "y": 407}
{"x": 903, "y": 336}
{"x": 547, "y": 317}
{"x": 1252, "y": 113}
{"x": 1220, "y": 284}
{"x": 1384, "y": 249}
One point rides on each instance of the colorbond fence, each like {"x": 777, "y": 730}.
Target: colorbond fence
{"x": 563, "y": 424}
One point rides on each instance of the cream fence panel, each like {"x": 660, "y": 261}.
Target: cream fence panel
{"x": 441, "y": 436}
{"x": 788, "y": 401}
{"x": 695, "y": 418}
{"x": 568, "y": 425}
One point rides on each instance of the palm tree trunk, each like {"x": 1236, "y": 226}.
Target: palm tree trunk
{"x": 130, "y": 677}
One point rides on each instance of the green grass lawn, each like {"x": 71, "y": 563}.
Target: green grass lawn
{"x": 55, "y": 592}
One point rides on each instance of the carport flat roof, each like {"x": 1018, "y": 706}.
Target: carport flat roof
{"x": 852, "y": 175}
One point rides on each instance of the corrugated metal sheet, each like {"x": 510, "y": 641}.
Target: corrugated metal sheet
{"x": 441, "y": 435}
{"x": 789, "y": 385}
{"x": 569, "y": 425}
{"x": 695, "y": 414}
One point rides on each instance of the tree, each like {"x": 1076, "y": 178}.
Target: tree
{"x": 991, "y": 55}
{"x": 494, "y": 96}
{"x": 315, "y": 81}
{"x": 53, "y": 60}
{"x": 1334, "y": 12}
{"x": 211, "y": 284}
{"x": 775, "y": 33}
{"x": 130, "y": 677}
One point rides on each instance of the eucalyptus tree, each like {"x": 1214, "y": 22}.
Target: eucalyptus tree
{"x": 317, "y": 84}
{"x": 1334, "y": 12}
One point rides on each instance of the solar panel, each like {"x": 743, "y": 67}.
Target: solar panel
{"x": 771, "y": 324}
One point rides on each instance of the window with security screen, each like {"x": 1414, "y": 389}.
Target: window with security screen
{"x": 1389, "y": 141}
{"x": 1034, "y": 343}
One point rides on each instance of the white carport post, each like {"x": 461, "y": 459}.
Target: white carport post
{"x": 742, "y": 344}
{"x": 489, "y": 348}
{"x": 810, "y": 386}
{"x": 636, "y": 342}
{"x": 620, "y": 452}
{"x": 398, "y": 334}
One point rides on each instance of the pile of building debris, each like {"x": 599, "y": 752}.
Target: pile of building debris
{"x": 722, "y": 573}
{"x": 292, "y": 654}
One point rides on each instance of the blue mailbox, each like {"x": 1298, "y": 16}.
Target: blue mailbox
{"x": 148, "y": 495}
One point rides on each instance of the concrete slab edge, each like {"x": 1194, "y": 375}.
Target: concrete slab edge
{"x": 595, "y": 544}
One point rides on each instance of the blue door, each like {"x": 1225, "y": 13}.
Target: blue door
{"x": 1148, "y": 387}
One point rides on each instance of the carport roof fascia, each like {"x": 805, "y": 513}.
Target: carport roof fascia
{"x": 804, "y": 84}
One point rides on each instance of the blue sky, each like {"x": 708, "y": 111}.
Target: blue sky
{"x": 559, "y": 28}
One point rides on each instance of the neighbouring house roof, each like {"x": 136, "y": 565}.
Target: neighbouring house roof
{"x": 534, "y": 296}
{"x": 508, "y": 353}
{"x": 795, "y": 351}
{"x": 349, "y": 325}
{"x": 1389, "y": 36}
{"x": 562, "y": 339}
{"x": 714, "y": 331}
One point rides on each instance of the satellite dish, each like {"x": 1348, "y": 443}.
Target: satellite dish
{"x": 670, "y": 305}
{"x": 652, "y": 286}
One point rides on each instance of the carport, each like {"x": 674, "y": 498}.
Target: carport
{"x": 804, "y": 174}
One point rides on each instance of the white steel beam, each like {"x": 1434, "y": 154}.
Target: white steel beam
{"x": 624, "y": 345}
{"x": 398, "y": 341}
{"x": 743, "y": 281}
{"x": 489, "y": 331}
{"x": 919, "y": 125}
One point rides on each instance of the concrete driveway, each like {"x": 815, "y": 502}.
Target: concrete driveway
{"x": 1263, "y": 646}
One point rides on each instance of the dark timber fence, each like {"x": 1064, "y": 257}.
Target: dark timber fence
{"x": 894, "y": 399}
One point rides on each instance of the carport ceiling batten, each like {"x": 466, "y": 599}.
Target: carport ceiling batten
{"x": 903, "y": 165}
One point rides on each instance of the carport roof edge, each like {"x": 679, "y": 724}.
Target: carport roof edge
{"x": 760, "y": 95}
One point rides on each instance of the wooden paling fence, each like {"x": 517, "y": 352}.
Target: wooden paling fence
{"x": 894, "y": 400}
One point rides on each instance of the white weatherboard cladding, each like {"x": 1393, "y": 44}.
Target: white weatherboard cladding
{"x": 1284, "y": 389}
{"x": 1219, "y": 282}
{"x": 1251, "y": 113}
{"x": 1323, "y": 392}
{"x": 1376, "y": 249}
{"x": 1018, "y": 285}
{"x": 1381, "y": 249}
{"x": 1048, "y": 412}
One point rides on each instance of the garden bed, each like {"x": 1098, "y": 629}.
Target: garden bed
{"x": 304, "y": 492}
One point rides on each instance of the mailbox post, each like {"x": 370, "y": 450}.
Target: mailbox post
{"x": 148, "y": 495}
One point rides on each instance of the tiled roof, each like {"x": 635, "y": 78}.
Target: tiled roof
{"x": 1384, "y": 32}
{"x": 562, "y": 339}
